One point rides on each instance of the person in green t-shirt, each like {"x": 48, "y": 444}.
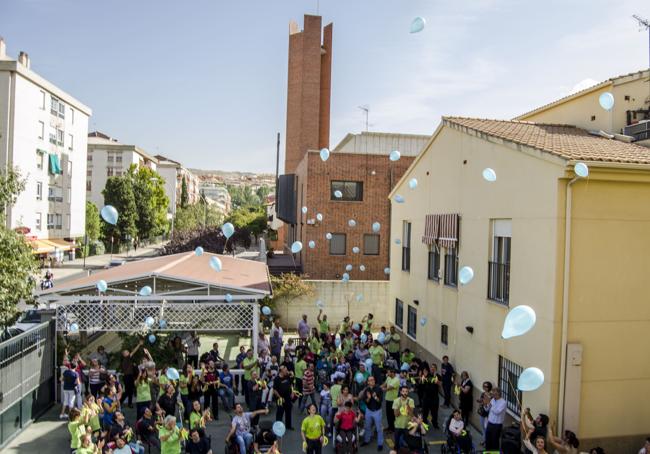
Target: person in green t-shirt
{"x": 249, "y": 364}
{"x": 335, "y": 390}
{"x": 314, "y": 343}
{"x": 407, "y": 356}
{"x": 391, "y": 388}
{"x": 403, "y": 410}
{"x": 298, "y": 373}
{"x": 323, "y": 324}
{"x": 393, "y": 341}
{"x": 366, "y": 322}
{"x": 170, "y": 437}
{"x": 348, "y": 344}
{"x": 88, "y": 447}
{"x": 312, "y": 431}
{"x": 344, "y": 327}
{"x": 142, "y": 392}
{"x": 90, "y": 414}
{"x": 76, "y": 428}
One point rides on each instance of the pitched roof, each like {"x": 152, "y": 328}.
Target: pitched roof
{"x": 565, "y": 141}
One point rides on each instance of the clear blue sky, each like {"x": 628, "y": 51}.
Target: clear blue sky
{"x": 204, "y": 81}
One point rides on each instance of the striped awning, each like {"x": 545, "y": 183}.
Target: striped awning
{"x": 441, "y": 229}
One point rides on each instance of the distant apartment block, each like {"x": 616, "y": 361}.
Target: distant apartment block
{"x": 217, "y": 195}
{"x": 174, "y": 173}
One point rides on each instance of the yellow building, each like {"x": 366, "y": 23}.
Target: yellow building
{"x": 631, "y": 105}
{"x": 591, "y": 337}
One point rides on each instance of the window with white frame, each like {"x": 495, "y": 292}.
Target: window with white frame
{"x": 499, "y": 264}
{"x": 69, "y": 168}
{"x": 39, "y": 190}
{"x": 72, "y": 115}
{"x": 110, "y": 171}
{"x": 118, "y": 158}
{"x": 70, "y": 142}
{"x": 39, "y": 160}
{"x": 60, "y": 136}
{"x": 58, "y": 221}
{"x": 89, "y": 157}
{"x": 337, "y": 244}
{"x": 444, "y": 334}
{"x": 41, "y": 130}
{"x": 53, "y": 138}
{"x": 61, "y": 110}
{"x": 50, "y": 221}
{"x": 411, "y": 327}
{"x": 39, "y": 220}
{"x": 42, "y": 98}
{"x": 110, "y": 157}
{"x": 54, "y": 106}
{"x": 406, "y": 246}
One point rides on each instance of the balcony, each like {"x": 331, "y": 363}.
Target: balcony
{"x": 499, "y": 282}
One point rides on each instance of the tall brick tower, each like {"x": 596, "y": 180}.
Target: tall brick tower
{"x": 309, "y": 90}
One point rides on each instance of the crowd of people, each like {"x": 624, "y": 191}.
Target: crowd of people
{"x": 344, "y": 380}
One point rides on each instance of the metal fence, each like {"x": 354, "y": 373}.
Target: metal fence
{"x": 26, "y": 378}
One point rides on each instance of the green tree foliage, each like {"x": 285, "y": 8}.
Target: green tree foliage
{"x": 17, "y": 264}
{"x": 92, "y": 222}
{"x": 119, "y": 193}
{"x": 151, "y": 201}
{"x": 262, "y": 192}
{"x": 184, "y": 194}
{"x": 243, "y": 196}
{"x": 195, "y": 216}
{"x": 252, "y": 218}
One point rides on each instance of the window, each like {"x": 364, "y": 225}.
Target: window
{"x": 370, "y": 244}
{"x": 54, "y": 106}
{"x": 406, "y": 246}
{"x": 61, "y": 110}
{"x": 55, "y": 194}
{"x": 70, "y": 142}
{"x": 444, "y": 334}
{"x": 89, "y": 185}
{"x": 39, "y": 190}
{"x": 118, "y": 158}
{"x": 67, "y": 221}
{"x": 412, "y": 322}
{"x": 508, "y": 377}
{"x": 42, "y": 100}
{"x": 399, "y": 313}
{"x": 39, "y": 160}
{"x": 337, "y": 244}
{"x": 72, "y": 115}
{"x": 41, "y": 130}
{"x": 499, "y": 265}
{"x": 59, "y": 137}
{"x": 39, "y": 220}
{"x": 350, "y": 190}
{"x": 50, "y": 221}
{"x": 58, "y": 221}
{"x": 110, "y": 157}
{"x": 109, "y": 171}
{"x": 433, "y": 272}
{"x": 53, "y": 138}
{"x": 69, "y": 168}
{"x": 451, "y": 267}
{"x": 89, "y": 157}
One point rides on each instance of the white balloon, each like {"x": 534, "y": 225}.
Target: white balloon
{"x": 228, "y": 229}
{"x": 417, "y": 25}
{"x": 346, "y": 277}
{"x": 228, "y": 298}
{"x": 489, "y": 175}
{"x": 398, "y": 199}
{"x": 312, "y": 244}
{"x": 355, "y": 250}
{"x": 324, "y": 154}
{"x": 352, "y": 223}
{"x": 304, "y": 210}
{"x": 296, "y": 247}
{"x": 423, "y": 321}
{"x": 319, "y": 217}
{"x": 394, "y": 155}
{"x": 520, "y": 320}
{"x": 198, "y": 251}
{"x": 338, "y": 194}
{"x": 581, "y": 170}
{"x": 398, "y": 241}
{"x": 530, "y": 379}
{"x": 215, "y": 263}
{"x": 328, "y": 236}
{"x": 606, "y": 101}
{"x": 386, "y": 270}
{"x": 362, "y": 268}
{"x": 348, "y": 267}
{"x": 413, "y": 183}
{"x": 376, "y": 227}
{"x": 319, "y": 304}
{"x": 465, "y": 275}
{"x": 359, "y": 296}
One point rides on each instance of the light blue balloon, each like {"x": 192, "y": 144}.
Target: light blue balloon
{"x": 581, "y": 170}
{"x": 356, "y": 327}
{"x": 423, "y": 321}
{"x": 398, "y": 241}
{"x": 376, "y": 227}
{"x": 364, "y": 338}
{"x": 266, "y": 310}
{"x": 386, "y": 270}
{"x": 152, "y": 338}
{"x": 145, "y": 291}
{"x": 172, "y": 373}
{"x": 362, "y": 267}
{"x": 324, "y": 154}
{"x": 109, "y": 214}
{"x": 355, "y": 250}
{"x": 398, "y": 199}
{"x": 296, "y": 247}
{"x": 198, "y": 251}
{"x": 465, "y": 275}
{"x": 519, "y": 321}
{"x": 149, "y": 321}
{"x": 489, "y": 175}
{"x": 328, "y": 236}
{"x": 227, "y": 229}
{"x": 312, "y": 244}
{"x": 348, "y": 267}
{"x": 359, "y": 296}
{"x": 102, "y": 286}
{"x": 413, "y": 183}
{"x": 337, "y": 341}
{"x": 352, "y": 223}
{"x": 279, "y": 429}
{"x": 394, "y": 155}
{"x": 530, "y": 379}
{"x": 319, "y": 217}
{"x": 358, "y": 377}
{"x": 320, "y": 304}
{"x": 304, "y": 210}
{"x": 338, "y": 194}
{"x": 381, "y": 337}
{"x": 346, "y": 277}
{"x": 405, "y": 367}
{"x": 417, "y": 25}
{"x": 74, "y": 327}
{"x": 215, "y": 263}
{"x": 606, "y": 101}
{"x": 162, "y": 324}
{"x": 228, "y": 298}
{"x": 368, "y": 363}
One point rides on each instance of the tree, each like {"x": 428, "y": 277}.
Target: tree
{"x": 243, "y": 196}
{"x": 195, "y": 216}
{"x": 151, "y": 202}
{"x": 92, "y": 222}
{"x": 262, "y": 192}
{"x": 253, "y": 218}
{"x": 17, "y": 264}
{"x": 119, "y": 193}
{"x": 184, "y": 195}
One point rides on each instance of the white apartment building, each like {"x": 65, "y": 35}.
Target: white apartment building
{"x": 217, "y": 195}
{"x": 173, "y": 173}
{"x": 43, "y": 134}
{"x": 107, "y": 157}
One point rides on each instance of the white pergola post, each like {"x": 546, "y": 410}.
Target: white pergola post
{"x": 256, "y": 327}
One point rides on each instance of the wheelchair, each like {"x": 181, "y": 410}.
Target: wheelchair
{"x": 457, "y": 445}
{"x": 264, "y": 443}
{"x": 349, "y": 443}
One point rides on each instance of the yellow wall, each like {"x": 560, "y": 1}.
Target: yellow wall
{"x": 578, "y": 111}
{"x": 609, "y": 301}
{"x": 526, "y": 191}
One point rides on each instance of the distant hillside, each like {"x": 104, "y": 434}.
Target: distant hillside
{"x": 235, "y": 178}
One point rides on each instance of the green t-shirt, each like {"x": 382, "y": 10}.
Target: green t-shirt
{"x": 172, "y": 445}
{"x": 348, "y": 345}
{"x": 324, "y": 326}
{"x": 162, "y": 381}
{"x": 393, "y": 343}
{"x": 143, "y": 391}
{"x": 315, "y": 345}
{"x": 367, "y": 326}
{"x": 335, "y": 392}
{"x": 195, "y": 420}
{"x": 407, "y": 357}
{"x": 391, "y": 394}
{"x": 77, "y": 430}
{"x": 246, "y": 364}
{"x": 377, "y": 354}
{"x": 344, "y": 327}
{"x": 313, "y": 427}
{"x": 299, "y": 369}
{"x": 182, "y": 384}
{"x": 88, "y": 450}
{"x": 401, "y": 421}
{"x": 93, "y": 421}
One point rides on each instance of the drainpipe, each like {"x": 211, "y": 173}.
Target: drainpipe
{"x": 565, "y": 301}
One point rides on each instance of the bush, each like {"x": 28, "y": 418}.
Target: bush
{"x": 96, "y": 248}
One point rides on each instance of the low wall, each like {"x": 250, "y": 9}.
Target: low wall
{"x": 339, "y": 299}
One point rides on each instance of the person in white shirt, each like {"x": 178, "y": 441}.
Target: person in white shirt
{"x": 496, "y": 415}
{"x": 192, "y": 344}
{"x": 458, "y": 432}
{"x": 646, "y": 447}
{"x": 278, "y": 328}
{"x": 456, "y": 424}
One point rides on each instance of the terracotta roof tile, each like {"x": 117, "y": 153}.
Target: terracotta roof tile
{"x": 565, "y": 141}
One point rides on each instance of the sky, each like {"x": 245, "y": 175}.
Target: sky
{"x": 204, "y": 81}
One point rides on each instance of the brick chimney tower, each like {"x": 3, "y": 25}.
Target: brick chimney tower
{"x": 309, "y": 90}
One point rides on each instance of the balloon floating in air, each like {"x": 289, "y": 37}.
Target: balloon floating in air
{"x": 198, "y": 251}
{"x": 320, "y": 304}
{"x": 520, "y": 320}
{"x": 398, "y": 241}
{"x": 356, "y": 327}
{"x": 74, "y": 327}
{"x": 355, "y": 249}
{"x": 413, "y": 183}
{"x": 364, "y": 338}
{"x": 152, "y": 339}
{"x": 338, "y": 194}
{"x": 417, "y": 25}
{"x": 324, "y": 154}
{"x": 359, "y": 296}
{"x": 215, "y": 263}
{"x": 311, "y": 244}
{"x": 358, "y": 377}
{"x": 337, "y": 342}
{"x": 172, "y": 373}
{"x": 465, "y": 275}
{"x": 162, "y": 324}
{"x": 394, "y": 155}
{"x": 405, "y": 367}
{"x": 530, "y": 379}
{"x": 346, "y": 277}
{"x": 149, "y": 321}
{"x": 228, "y": 298}
{"x": 304, "y": 210}
{"x": 376, "y": 227}
{"x": 266, "y": 310}
{"x": 381, "y": 337}
{"x": 606, "y": 101}
{"x": 319, "y": 217}
{"x": 362, "y": 268}
{"x": 489, "y": 175}
{"x": 386, "y": 270}
{"x": 278, "y": 426}
{"x": 581, "y": 170}
{"x": 109, "y": 214}
{"x": 423, "y": 321}
{"x": 352, "y": 223}
{"x": 145, "y": 291}
{"x": 368, "y": 363}
{"x": 398, "y": 199}
{"x": 328, "y": 236}
{"x": 348, "y": 267}
{"x": 296, "y": 247}
{"x": 102, "y": 286}
{"x": 227, "y": 229}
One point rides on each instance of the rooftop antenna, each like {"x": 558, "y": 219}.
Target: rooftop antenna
{"x": 644, "y": 23}
{"x": 366, "y": 109}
